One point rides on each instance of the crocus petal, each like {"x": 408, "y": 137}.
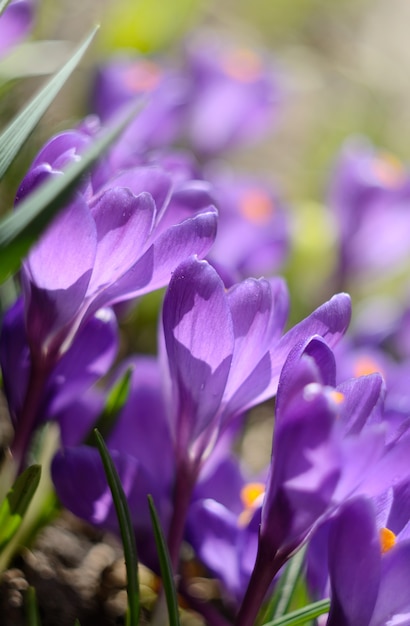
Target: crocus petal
{"x": 361, "y": 395}
{"x": 213, "y": 532}
{"x": 152, "y": 180}
{"x": 304, "y": 473}
{"x": 199, "y": 342}
{"x": 77, "y": 419}
{"x": 193, "y": 236}
{"x": 393, "y": 599}
{"x": 89, "y": 358}
{"x": 354, "y": 563}
{"x": 330, "y": 321}
{"x": 123, "y": 223}
{"x": 144, "y": 419}
{"x": 257, "y": 309}
{"x": 15, "y": 23}
{"x": 14, "y": 358}
{"x": 58, "y": 269}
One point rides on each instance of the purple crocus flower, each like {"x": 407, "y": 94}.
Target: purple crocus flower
{"x": 125, "y": 79}
{"x": 368, "y": 587}
{"x": 15, "y": 23}
{"x": 224, "y": 350}
{"x": 368, "y": 194}
{"x": 253, "y": 230}
{"x": 31, "y": 400}
{"x": 234, "y": 98}
{"x": 112, "y": 243}
{"x": 140, "y": 445}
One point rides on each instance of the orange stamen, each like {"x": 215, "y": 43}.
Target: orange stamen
{"x": 242, "y": 65}
{"x": 387, "y": 539}
{"x": 142, "y": 76}
{"x": 256, "y": 206}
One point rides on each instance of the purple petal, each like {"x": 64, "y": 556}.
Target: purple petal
{"x": 57, "y": 271}
{"x": 15, "y": 24}
{"x": 123, "y": 223}
{"x": 149, "y": 440}
{"x": 305, "y": 471}
{"x": 199, "y": 341}
{"x": 354, "y": 563}
{"x": 393, "y": 599}
{"x": 361, "y": 395}
{"x": 89, "y": 358}
{"x": 154, "y": 269}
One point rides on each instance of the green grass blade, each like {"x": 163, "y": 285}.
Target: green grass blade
{"x": 15, "y": 504}
{"x": 126, "y": 529}
{"x": 20, "y": 229}
{"x": 31, "y": 608}
{"x": 3, "y": 5}
{"x": 301, "y": 616}
{"x": 286, "y": 588}
{"x": 116, "y": 400}
{"x": 15, "y": 135}
{"x": 165, "y": 565}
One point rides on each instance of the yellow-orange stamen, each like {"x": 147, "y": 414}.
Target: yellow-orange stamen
{"x": 256, "y": 206}
{"x": 142, "y": 76}
{"x": 243, "y": 65}
{"x": 337, "y": 396}
{"x": 389, "y": 170}
{"x": 250, "y": 495}
{"x": 387, "y": 539}
{"x": 365, "y": 365}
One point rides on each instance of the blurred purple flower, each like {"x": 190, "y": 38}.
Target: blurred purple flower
{"x": 16, "y": 23}
{"x": 369, "y": 195}
{"x": 163, "y": 91}
{"x": 234, "y": 95}
{"x": 253, "y": 229}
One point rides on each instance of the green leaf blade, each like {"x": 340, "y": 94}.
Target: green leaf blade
{"x": 126, "y": 529}
{"x": 16, "y": 503}
{"x": 301, "y": 616}
{"x": 15, "y": 135}
{"x": 20, "y": 229}
{"x": 165, "y": 565}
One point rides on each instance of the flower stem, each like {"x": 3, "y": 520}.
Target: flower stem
{"x": 262, "y": 576}
{"x": 27, "y": 418}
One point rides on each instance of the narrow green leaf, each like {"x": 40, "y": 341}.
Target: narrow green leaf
{"x": 301, "y": 616}
{"x": 126, "y": 529}
{"x": 15, "y": 135}
{"x": 20, "y": 228}
{"x": 77, "y": 622}
{"x": 165, "y": 565}
{"x": 31, "y": 608}
{"x": 285, "y": 589}
{"x": 16, "y": 502}
{"x": 115, "y": 401}
{"x": 3, "y": 5}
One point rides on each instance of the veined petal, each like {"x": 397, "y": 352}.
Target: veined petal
{"x": 193, "y": 236}
{"x": 354, "y": 563}
{"x": 393, "y": 599}
{"x": 361, "y": 395}
{"x": 253, "y": 309}
{"x": 57, "y": 271}
{"x": 123, "y": 223}
{"x": 199, "y": 342}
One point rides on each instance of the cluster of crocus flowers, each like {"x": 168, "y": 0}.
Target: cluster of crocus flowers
{"x": 151, "y": 216}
